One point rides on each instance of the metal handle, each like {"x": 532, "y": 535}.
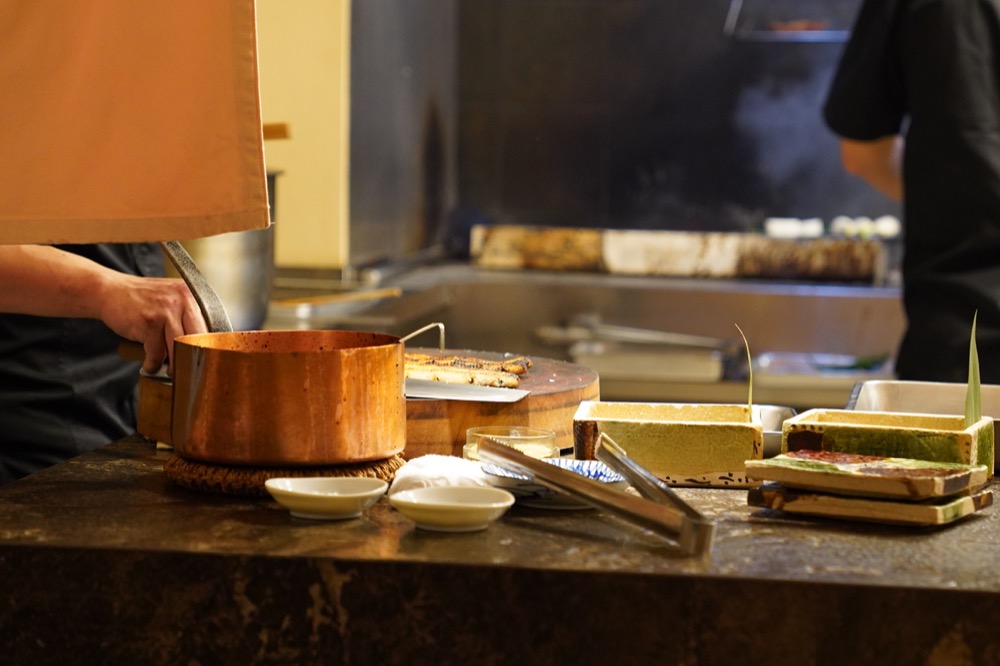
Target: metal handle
{"x": 208, "y": 300}
{"x": 438, "y": 325}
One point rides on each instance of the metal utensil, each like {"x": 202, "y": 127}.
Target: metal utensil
{"x": 660, "y": 517}
{"x": 211, "y": 305}
{"x": 428, "y": 388}
{"x": 588, "y": 327}
{"x": 696, "y": 530}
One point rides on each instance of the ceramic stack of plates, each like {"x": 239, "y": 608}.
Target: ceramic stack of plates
{"x": 899, "y": 491}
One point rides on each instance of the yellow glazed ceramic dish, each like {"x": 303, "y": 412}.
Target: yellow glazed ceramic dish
{"x": 924, "y": 398}
{"x": 891, "y": 434}
{"x": 684, "y": 444}
{"x": 326, "y": 498}
{"x": 452, "y": 508}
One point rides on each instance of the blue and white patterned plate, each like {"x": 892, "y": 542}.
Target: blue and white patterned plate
{"x": 529, "y": 493}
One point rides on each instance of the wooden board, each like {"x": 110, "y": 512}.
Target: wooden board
{"x": 557, "y": 389}
{"x": 868, "y": 476}
{"x": 779, "y": 498}
{"x": 156, "y": 399}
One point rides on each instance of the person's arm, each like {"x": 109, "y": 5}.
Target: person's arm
{"x": 877, "y": 162}
{"x": 46, "y": 281}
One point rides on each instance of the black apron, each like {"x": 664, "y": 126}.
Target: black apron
{"x": 64, "y": 389}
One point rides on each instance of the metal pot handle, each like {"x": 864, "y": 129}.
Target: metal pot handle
{"x": 438, "y": 325}
{"x": 208, "y": 300}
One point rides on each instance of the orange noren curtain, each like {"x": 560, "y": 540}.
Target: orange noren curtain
{"x": 126, "y": 120}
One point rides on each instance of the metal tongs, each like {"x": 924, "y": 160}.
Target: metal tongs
{"x": 661, "y": 511}
{"x": 696, "y": 530}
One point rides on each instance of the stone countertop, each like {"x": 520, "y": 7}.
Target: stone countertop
{"x": 159, "y": 574}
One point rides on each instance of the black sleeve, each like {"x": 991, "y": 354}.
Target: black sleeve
{"x": 867, "y": 100}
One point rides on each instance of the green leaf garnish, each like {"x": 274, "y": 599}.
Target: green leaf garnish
{"x": 746, "y": 345}
{"x": 973, "y": 397}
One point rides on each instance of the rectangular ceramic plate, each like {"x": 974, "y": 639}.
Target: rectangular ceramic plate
{"x": 698, "y": 445}
{"x": 925, "y": 398}
{"x": 935, "y": 437}
{"x": 869, "y": 476}
{"x": 777, "y": 497}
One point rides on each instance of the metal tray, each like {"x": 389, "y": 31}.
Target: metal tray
{"x": 919, "y": 397}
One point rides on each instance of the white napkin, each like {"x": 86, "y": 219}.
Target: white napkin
{"x": 434, "y": 470}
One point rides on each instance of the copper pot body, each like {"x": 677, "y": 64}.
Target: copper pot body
{"x": 288, "y": 398}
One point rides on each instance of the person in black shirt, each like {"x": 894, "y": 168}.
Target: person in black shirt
{"x": 64, "y": 310}
{"x": 916, "y": 102}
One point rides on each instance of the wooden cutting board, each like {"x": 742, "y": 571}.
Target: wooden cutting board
{"x": 556, "y": 390}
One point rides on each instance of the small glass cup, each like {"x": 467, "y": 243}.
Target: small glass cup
{"x": 534, "y": 442}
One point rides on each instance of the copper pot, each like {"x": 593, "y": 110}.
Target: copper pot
{"x": 288, "y": 398}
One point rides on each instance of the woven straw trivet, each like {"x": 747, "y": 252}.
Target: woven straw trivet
{"x": 249, "y": 481}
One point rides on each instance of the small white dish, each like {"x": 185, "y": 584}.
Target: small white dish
{"x": 529, "y": 493}
{"x": 326, "y": 498}
{"x": 452, "y": 508}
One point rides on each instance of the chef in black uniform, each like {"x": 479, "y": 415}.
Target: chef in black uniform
{"x": 64, "y": 310}
{"x": 916, "y": 101}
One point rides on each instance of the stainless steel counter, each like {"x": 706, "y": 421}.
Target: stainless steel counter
{"x": 801, "y": 396}
{"x": 497, "y": 310}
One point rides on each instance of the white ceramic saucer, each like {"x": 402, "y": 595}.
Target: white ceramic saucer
{"x": 326, "y": 498}
{"x": 452, "y": 508}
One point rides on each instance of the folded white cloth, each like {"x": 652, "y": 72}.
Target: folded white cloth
{"x": 434, "y": 470}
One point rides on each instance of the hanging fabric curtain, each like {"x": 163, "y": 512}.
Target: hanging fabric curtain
{"x": 126, "y": 120}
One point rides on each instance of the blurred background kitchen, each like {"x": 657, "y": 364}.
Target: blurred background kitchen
{"x": 412, "y": 123}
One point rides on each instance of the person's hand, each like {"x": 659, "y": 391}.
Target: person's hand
{"x": 46, "y": 281}
{"x": 151, "y": 311}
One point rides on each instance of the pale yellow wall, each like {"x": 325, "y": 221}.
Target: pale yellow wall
{"x": 304, "y": 54}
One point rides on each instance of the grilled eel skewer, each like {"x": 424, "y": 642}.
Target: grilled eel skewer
{"x": 467, "y": 369}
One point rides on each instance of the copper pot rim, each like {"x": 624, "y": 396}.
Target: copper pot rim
{"x": 317, "y": 342}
